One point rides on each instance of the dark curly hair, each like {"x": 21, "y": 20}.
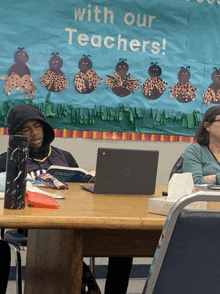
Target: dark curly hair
{"x": 202, "y": 135}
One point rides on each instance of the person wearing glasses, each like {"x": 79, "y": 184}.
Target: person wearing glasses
{"x": 202, "y": 159}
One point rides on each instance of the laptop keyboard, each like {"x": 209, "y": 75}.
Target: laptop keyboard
{"x": 89, "y": 188}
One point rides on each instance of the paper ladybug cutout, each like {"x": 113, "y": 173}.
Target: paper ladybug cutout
{"x": 121, "y": 83}
{"x": 19, "y": 75}
{"x": 212, "y": 95}
{"x": 154, "y": 86}
{"x": 87, "y": 79}
{"x": 54, "y": 79}
{"x": 183, "y": 91}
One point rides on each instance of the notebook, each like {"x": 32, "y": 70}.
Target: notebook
{"x": 125, "y": 171}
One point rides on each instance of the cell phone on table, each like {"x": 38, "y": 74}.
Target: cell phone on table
{"x": 214, "y": 187}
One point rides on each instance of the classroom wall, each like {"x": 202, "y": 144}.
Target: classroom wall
{"x": 85, "y": 151}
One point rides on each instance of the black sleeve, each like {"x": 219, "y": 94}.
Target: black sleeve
{"x": 70, "y": 159}
{"x": 3, "y": 157}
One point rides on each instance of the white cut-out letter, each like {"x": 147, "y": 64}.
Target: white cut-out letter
{"x": 97, "y": 11}
{"x": 89, "y": 12}
{"x": 121, "y": 40}
{"x": 83, "y": 39}
{"x": 129, "y": 23}
{"x": 143, "y": 24}
{"x": 106, "y": 12}
{"x": 71, "y": 31}
{"x": 151, "y": 17}
{"x": 98, "y": 38}
{"x": 80, "y": 13}
{"x": 134, "y": 43}
{"x": 106, "y": 42}
{"x": 155, "y": 46}
{"x": 144, "y": 45}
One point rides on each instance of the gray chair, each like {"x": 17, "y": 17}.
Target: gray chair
{"x": 187, "y": 258}
{"x": 178, "y": 166}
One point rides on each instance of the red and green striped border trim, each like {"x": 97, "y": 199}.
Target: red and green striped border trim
{"x": 115, "y": 136}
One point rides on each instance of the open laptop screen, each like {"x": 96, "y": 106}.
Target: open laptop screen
{"x": 126, "y": 171}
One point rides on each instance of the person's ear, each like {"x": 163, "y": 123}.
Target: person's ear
{"x": 207, "y": 126}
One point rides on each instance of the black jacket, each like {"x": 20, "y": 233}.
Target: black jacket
{"x": 47, "y": 155}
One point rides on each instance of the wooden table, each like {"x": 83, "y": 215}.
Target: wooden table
{"x": 86, "y": 224}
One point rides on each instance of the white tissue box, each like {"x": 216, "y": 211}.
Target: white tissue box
{"x": 160, "y": 205}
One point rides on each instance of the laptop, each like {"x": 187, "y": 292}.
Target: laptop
{"x": 125, "y": 171}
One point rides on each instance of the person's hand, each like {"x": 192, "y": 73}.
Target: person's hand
{"x": 210, "y": 178}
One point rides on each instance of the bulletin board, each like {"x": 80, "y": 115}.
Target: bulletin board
{"x": 110, "y": 67}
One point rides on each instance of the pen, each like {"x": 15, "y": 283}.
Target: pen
{"x": 59, "y": 197}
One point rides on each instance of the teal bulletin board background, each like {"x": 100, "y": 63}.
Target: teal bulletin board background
{"x": 173, "y": 34}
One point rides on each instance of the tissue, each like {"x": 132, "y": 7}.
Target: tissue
{"x": 180, "y": 185}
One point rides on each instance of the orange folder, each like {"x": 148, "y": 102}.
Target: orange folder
{"x": 39, "y": 200}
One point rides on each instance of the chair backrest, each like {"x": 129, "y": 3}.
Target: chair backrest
{"x": 178, "y": 166}
{"x": 187, "y": 259}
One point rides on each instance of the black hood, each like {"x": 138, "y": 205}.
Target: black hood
{"x": 21, "y": 113}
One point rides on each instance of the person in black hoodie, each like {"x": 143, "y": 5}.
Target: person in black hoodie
{"x": 28, "y": 120}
